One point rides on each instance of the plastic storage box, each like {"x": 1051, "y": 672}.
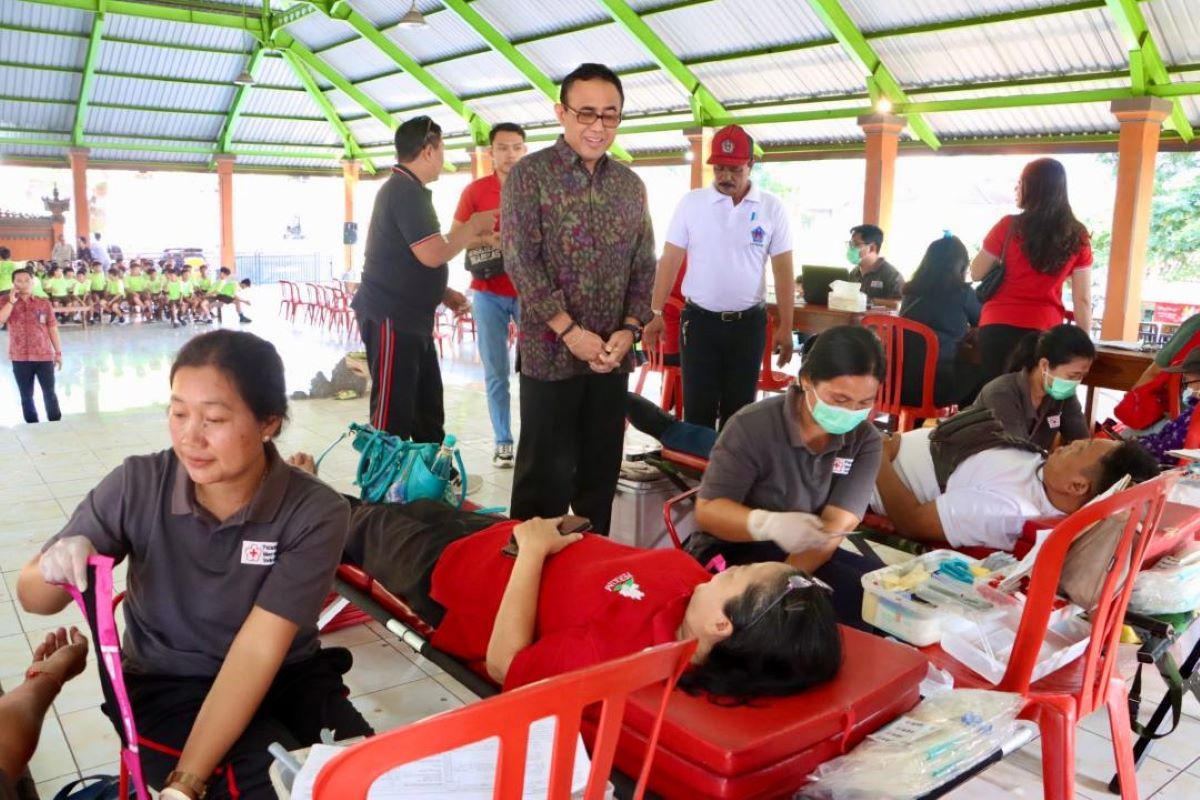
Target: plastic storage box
{"x": 897, "y": 613}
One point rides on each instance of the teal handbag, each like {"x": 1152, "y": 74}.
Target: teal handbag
{"x": 395, "y": 470}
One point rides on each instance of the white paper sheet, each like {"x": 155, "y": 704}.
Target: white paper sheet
{"x": 464, "y": 774}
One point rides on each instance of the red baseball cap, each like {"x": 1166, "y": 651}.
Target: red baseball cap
{"x": 731, "y": 147}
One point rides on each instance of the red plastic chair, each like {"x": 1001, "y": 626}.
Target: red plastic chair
{"x": 671, "y": 397}
{"x": 669, "y": 514}
{"x": 464, "y": 323}
{"x": 770, "y": 379}
{"x": 1060, "y": 700}
{"x": 289, "y": 300}
{"x": 508, "y": 716}
{"x": 891, "y": 331}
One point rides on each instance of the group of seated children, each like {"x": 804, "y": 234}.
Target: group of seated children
{"x": 172, "y": 293}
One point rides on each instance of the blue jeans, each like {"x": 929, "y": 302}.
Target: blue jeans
{"x": 492, "y": 313}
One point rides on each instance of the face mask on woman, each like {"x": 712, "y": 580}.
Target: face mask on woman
{"x": 835, "y": 419}
{"x": 1059, "y": 388}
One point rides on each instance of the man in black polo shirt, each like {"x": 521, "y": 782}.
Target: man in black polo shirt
{"x": 403, "y": 281}
{"x": 880, "y": 281}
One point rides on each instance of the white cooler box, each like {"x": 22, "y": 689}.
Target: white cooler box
{"x": 637, "y": 513}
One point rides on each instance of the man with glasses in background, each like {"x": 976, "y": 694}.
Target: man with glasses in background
{"x": 577, "y": 241}
{"x": 403, "y": 280}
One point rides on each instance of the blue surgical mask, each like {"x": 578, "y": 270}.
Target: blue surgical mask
{"x": 835, "y": 419}
{"x": 1059, "y": 388}
{"x": 853, "y": 255}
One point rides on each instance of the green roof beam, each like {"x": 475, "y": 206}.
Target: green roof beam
{"x": 291, "y": 45}
{"x": 95, "y": 42}
{"x": 192, "y": 48}
{"x": 704, "y": 105}
{"x": 366, "y": 29}
{"x": 856, "y": 46}
{"x": 1146, "y": 65}
{"x": 515, "y": 57}
{"x": 350, "y": 146}
{"x": 239, "y": 101}
{"x": 103, "y": 73}
{"x": 252, "y": 24}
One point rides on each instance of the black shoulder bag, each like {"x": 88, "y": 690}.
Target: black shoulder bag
{"x": 990, "y": 284}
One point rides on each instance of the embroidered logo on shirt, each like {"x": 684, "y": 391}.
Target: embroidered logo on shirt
{"x": 841, "y": 466}
{"x": 1054, "y": 421}
{"x": 625, "y": 585}
{"x": 758, "y": 235}
{"x": 259, "y": 553}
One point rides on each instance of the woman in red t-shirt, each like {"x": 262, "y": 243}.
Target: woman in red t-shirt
{"x": 1042, "y": 247}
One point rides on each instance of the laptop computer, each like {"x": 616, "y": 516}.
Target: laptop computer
{"x": 815, "y": 280}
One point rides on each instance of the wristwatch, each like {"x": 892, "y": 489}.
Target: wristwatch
{"x": 192, "y": 782}
{"x": 636, "y": 330}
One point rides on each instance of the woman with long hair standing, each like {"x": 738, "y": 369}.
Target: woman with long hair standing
{"x": 1040, "y": 248}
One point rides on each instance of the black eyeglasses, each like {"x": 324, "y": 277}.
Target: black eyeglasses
{"x": 609, "y": 119}
{"x": 794, "y": 583}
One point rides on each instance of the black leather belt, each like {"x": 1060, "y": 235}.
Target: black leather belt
{"x": 726, "y": 316}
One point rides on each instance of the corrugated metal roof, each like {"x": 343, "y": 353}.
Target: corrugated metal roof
{"x": 38, "y": 83}
{"x": 1175, "y": 26}
{"x": 358, "y": 59}
{"x": 37, "y": 116}
{"x": 826, "y": 131}
{"x": 36, "y": 15}
{"x": 301, "y": 163}
{"x": 524, "y": 108}
{"x": 274, "y": 71}
{"x": 558, "y": 56}
{"x": 50, "y": 51}
{"x": 127, "y": 153}
{"x": 318, "y": 31}
{"x": 173, "y": 62}
{"x": 387, "y": 12}
{"x": 391, "y": 91}
{"x": 14, "y": 151}
{"x": 148, "y": 124}
{"x": 279, "y": 103}
{"x": 161, "y": 94}
{"x": 1082, "y": 41}
{"x": 871, "y": 15}
{"x": 445, "y": 35}
{"x": 281, "y": 130}
{"x": 648, "y": 92}
{"x": 787, "y": 76}
{"x": 1191, "y": 107}
{"x": 666, "y": 141}
{"x": 518, "y": 19}
{"x": 368, "y": 131}
{"x": 727, "y": 26}
{"x": 1084, "y": 118}
{"x": 479, "y": 73}
{"x": 176, "y": 33}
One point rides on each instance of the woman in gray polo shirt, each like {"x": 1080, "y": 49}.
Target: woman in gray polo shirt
{"x": 231, "y": 553}
{"x": 791, "y": 472}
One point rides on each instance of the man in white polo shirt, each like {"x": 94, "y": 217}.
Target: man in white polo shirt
{"x": 727, "y": 231}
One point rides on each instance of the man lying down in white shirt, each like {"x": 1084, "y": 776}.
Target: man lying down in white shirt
{"x": 990, "y": 495}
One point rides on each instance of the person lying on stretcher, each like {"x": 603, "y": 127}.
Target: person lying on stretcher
{"x": 568, "y": 601}
{"x": 968, "y": 484}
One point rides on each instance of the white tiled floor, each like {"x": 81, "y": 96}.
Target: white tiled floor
{"x": 113, "y": 389}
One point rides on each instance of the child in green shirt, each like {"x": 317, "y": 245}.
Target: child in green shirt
{"x": 174, "y": 296}
{"x": 114, "y": 296}
{"x": 7, "y": 268}
{"x": 227, "y": 292}
{"x": 60, "y": 288}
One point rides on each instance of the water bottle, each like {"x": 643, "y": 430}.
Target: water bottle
{"x": 443, "y": 464}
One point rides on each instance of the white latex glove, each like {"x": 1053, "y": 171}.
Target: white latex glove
{"x": 794, "y": 531}
{"x": 66, "y": 561}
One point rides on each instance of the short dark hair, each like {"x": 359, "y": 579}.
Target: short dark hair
{"x": 1129, "y": 459}
{"x": 97, "y": 235}
{"x": 224, "y": 271}
{"x": 415, "y": 135}
{"x": 590, "y": 72}
{"x": 22, "y": 271}
{"x": 845, "y": 350}
{"x": 794, "y": 645}
{"x": 244, "y": 283}
{"x": 5, "y": 253}
{"x": 505, "y": 127}
{"x": 250, "y": 363}
{"x": 1058, "y": 345}
{"x": 870, "y": 234}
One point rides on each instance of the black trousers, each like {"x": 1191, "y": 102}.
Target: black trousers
{"x": 406, "y": 382}
{"x": 43, "y": 371}
{"x": 996, "y": 344}
{"x": 569, "y": 454}
{"x": 304, "y": 698}
{"x": 720, "y": 363}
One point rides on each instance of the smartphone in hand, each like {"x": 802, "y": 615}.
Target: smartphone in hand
{"x": 570, "y": 523}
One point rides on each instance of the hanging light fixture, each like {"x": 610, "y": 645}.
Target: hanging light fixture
{"x": 413, "y": 19}
{"x": 244, "y": 78}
